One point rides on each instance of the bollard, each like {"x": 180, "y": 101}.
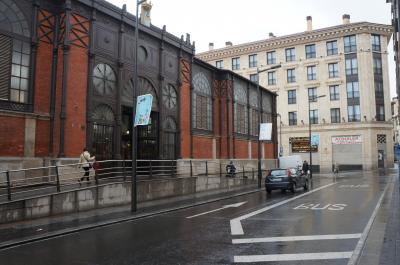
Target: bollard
{"x": 206, "y": 168}
{"x": 243, "y": 171}
{"x": 58, "y": 179}
{"x": 8, "y": 185}
{"x": 191, "y": 169}
{"x": 252, "y": 172}
{"x": 220, "y": 170}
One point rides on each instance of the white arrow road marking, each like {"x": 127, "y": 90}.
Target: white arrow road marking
{"x": 235, "y": 205}
{"x": 288, "y": 257}
{"x": 293, "y": 238}
{"x": 236, "y": 225}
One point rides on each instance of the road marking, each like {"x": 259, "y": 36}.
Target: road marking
{"x": 312, "y": 206}
{"x": 289, "y": 257}
{"x": 360, "y": 245}
{"x": 293, "y": 238}
{"x": 236, "y": 225}
{"x": 235, "y": 205}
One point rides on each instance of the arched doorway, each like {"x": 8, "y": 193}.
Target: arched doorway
{"x": 103, "y": 132}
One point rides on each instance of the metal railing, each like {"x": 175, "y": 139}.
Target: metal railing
{"x": 31, "y": 182}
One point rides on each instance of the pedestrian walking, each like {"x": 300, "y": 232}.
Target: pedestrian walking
{"x": 85, "y": 162}
{"x": 336, "y": 169}
{"x": 306, "y": 168}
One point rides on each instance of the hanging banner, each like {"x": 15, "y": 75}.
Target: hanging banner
{"x": 143, "y": 109}
{"x": 315, "y": 139}
{"x": 265, "y": 131}
{"x": 352, "y": 139}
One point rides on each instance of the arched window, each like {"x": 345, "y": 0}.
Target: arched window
{"x": 169, "y": 96}
{"x": 240, "y": 109}
{"x": 145, "y": 87}
{"x": 201, "y": 102}
{"x": 14, "y": 58}
{"x": 103, "y": 132}
{"x": 104, "y": 79}
{"x": 254, "y": 111}
{"x": 169, "y": 141}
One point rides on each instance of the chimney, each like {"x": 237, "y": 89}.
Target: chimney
{"x": 211, "y": 46}
{"x": 228, "y": 43}
{"x": 271, "y": 35}
{"x": 145, "y": 17}
{"x": 309, "y": 23}
{"x": 346, "y": 19}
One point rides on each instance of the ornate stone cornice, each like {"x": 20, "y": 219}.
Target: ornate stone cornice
{"x": 297, "y": 39}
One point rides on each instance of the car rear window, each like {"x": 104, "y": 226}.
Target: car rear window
{"x": 280, "y": 172}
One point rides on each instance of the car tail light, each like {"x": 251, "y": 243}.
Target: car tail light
{"x": 289, "y": 173}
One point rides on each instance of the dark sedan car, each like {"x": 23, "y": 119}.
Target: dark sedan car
{"x": 285, "y": 179}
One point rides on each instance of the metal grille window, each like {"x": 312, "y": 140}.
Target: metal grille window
{"x": 380, "y": 112}
{"x": 271, "y": 57}
{"x": 335, "y": 115}
{"x": 271, "y": 78}
{"x": 353, "y": 90}
{"x": 291, "y": 96}
{"x": 104, "y": 79}
{"x": 103, "y": 132}
{"x": 311, "y": 72}
{"x": 353, "y": 113}
{"x": 236, "y": 63}
{"x": 253, "y": 60}
{"x": 293, "y": 118}
{"x": 202, "y": 114}
{"x": 312, "y": 94}
{"x": 333, "y": 70}
{"x": 350, "y": 44}
{"x": 351, "y": 66}
{"x": 219, "y": 64}
{"x": 254, "y": 108}
{"x": 240, "y": 109}
{"x": 334, "y": 92}
{"x": 331, "y": 48}
{"x": 20, "y": 72}
{"x": 310, "y": 51}
{"x": 379, "y": 89}
{"x": 381, "y": 138}
{"x": 290, "y": 54}
{"x": 254, "y": 78}
{"x": 314, "y": 116}
{"x": 377, "y": 63}
{"x": 291, "y": 75}
{"x": 376, "y": 43}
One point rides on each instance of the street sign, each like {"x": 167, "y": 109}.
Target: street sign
{"x": 143, "y": 109}
{"x": 265, "y": 131}
{"x": 315, "y": 139}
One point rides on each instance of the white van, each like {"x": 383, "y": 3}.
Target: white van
{"x": 290, "y": 161}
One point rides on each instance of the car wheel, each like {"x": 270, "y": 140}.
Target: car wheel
{"x": 269, "y": 191}
{"x": 293, "y": 188}
{"x": 306, "y": 185}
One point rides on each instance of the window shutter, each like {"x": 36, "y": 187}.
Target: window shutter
{"x": 5, "y": 66}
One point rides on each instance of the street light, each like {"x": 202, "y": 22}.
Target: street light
{"x": 280, "y": 135}
{"x": 309, "y": 128}
{"x": 134, "y": 131}
{"x": 260, "y": 119}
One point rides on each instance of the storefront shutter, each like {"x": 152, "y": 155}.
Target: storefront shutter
{"x": 5, "y": 66}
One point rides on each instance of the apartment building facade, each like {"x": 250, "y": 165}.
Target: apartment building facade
{"x": 335, "y": 78}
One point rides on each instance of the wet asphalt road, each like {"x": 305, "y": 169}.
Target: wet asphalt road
{"x": 323, "y": 226}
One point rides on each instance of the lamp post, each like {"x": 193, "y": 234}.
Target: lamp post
{"x": 309, "y": 128}
{"x": 134, "y": 131}
{"x": 260, "y": 120}
{"x": 280, "y": 135}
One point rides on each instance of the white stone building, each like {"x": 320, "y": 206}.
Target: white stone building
{"x": 345, "y": 64}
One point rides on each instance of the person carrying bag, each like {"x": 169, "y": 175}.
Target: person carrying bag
{"x": 84, "y": 162}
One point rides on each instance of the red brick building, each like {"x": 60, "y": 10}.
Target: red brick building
{"x": 66, "y": 70}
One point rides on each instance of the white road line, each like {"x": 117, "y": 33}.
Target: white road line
{"x": 360, "y": 245}
{"x": 235, "y": 205}
{"x": 293, "y": 238}
{"x": 236, "y": 225}
{"x": 289, "y": 257}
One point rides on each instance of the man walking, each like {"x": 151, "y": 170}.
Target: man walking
{"x": 84, "y": 162}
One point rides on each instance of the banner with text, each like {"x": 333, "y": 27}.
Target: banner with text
{"x": 351, "y": 139}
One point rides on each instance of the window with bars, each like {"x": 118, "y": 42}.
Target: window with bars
{"x": 334, "y": 92}
{"x": 291, "y": 75}
{"x": 333, "y": 70}
{"x": 104, "y": 79}
{"x": 292, "y": 118}
{"x": 310, "y": 51}
{"x": 350, "y": 44}
{"x": 254, "y": 122}
{"x": 240, "y": 109}
{"x": 290, "y": 54}
{"x": 219, "y": 64}
{"x": 353, "y": 90}
{"x": 351, "y": 66}
{"x": 335, "y": 115}
{"x": 271, "y": 57}
{"x": 376, "y": 43}
{"x": 311, "y": 72}
{"x": 202, "y": 108}
{"x": 19, "y": 86}
{"x": 377, "y": 64}
{"x": 380, "y": 112}
{"x": 253, "y": 60}
{"x": 331, "y": 48}
{"x": 314, "y": 116}
{"x": 236, "y": 63}
{"x": 312, "y": 94}
{"x": 381, "y": 138}
{"x": 291, "y": 96}
{"x": 271, "y": 78}
{"x": 353, "y": 113}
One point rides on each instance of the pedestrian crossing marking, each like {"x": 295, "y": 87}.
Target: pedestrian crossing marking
{"x": 293, "y": 238}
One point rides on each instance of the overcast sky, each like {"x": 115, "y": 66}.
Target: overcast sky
{"x": 219, "y": 21}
